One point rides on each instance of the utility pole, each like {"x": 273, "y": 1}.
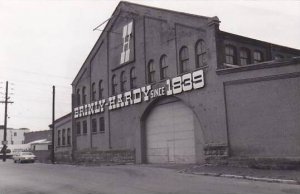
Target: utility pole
{"x": 53, "y": 127}
{"x": 4, "y": 142}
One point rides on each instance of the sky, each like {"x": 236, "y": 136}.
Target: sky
{"x": 45, "y": 42}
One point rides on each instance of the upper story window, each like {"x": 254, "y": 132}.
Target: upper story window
{"x": 123, "y": 81}
{"x": 257, "y": 57}
{"x": 84, "y": 127}
{"x": 132, "y": 78}
{"x": 200, "y": 51}
{"x": 78, "y": 96}
{"x": 15, "y": 133}
{"x": 93, "y": 91}
{"x": 94, "y": 125}
{"x": 184, "y": 59}
{"x": 114, "y": 85}
{"x": 151, "y": 72}
{"x": 230, "y": 55}
{"x": 84, "y": 95}
{"x": 68, "y": 136}
{"x": 127, "y": 40}
{"x": 244, "y": 56}
{"x": 163, "y": 67}
{"x": 63, "y": 137}
{"x": 100, "y": 87}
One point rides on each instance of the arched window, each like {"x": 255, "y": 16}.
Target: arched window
{"x": 132, "y": 78}
{"x": 200, "y": 51}
{"x": 123, "y": 81}
{"x": 93, "y": 92}
{"x": 100, "y": 87}
{"x": 163, "y": 67}
{"x": 257, "y": 57}
{"x": 78, "y": 96}
{"x": 244, "y": 56}
{"x": 184, "y": 59}
{"x": 83, "y": 95}
{"x": 151, "y": 72}
{"x": 114, "y": 85}
{"x": 230, "y": 55}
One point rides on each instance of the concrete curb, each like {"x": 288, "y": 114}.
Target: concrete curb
{"x": 270, "y": 180}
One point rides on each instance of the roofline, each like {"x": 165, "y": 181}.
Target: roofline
{"x": 61, "y": 118}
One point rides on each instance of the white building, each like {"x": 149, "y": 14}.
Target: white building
{"x": 14, "y": 136}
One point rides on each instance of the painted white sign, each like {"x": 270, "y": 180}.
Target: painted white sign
{"x": 176, "y": 85}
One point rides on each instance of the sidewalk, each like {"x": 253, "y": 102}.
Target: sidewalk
{"x": 279, "y": 176}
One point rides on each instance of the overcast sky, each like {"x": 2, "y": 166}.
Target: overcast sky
{"x": 44, "y": 43}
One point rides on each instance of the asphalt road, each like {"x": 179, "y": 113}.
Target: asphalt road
{"x": 125, "y": 179}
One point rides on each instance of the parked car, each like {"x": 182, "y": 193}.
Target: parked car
{"x": 24, "y": 157}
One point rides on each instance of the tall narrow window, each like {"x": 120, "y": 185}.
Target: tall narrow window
{"x": 244, "y": 56}
{"x": 151, "y": 72}
{"x": 58, "y": 137}
{"x": 132, "y": 78}
{"x": 230, "y": 55}
{"x": 78, "y": 128}
{"x": 100, "y": 90}
{"x": 84, "y": 127}
{"x": 184, "y": 59}
{"x": 123, "y": 81}
{"x": 163, "y": 67}
{"x": 114, "y": 85}
{"x": 78, "y": 96}
{"x": 93, "y": 91}
{"x": 63, "y": 137}
{"x": 68, "y": 136}
{"x": 102, "y": 125}
{"x": 94, "y": 125}
{"x": 257, "y": 57}
{"x": 83, "y": 95}
{"x": 200, "y": 54}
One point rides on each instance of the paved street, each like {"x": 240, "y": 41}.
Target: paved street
{"x": 66, "y": 179}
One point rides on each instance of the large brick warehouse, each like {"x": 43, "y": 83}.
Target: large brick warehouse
{"x": 161, "y": 86}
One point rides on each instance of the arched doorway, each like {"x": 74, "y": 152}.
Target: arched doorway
{"x": 170, "y": 133}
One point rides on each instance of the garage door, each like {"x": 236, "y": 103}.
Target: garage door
{"x": 170, "y": 134}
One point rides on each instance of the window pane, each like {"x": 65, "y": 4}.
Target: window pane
{"x": 102, "y": 124}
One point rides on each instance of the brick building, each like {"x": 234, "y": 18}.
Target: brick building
{"x": 161, "y": 86}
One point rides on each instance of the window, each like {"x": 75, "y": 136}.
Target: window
{"x": 78, "y": 128}
{"x": 200, "y": 54}
{"x": 127, "y": 36}
{"x": 114, "y": 85}
{"x": 151, "y": 72}
{"x": 123, "y": 81}
{"x": 63, "y": 137}
{"x": 83, "y": 95}
{"x": 58, "y": 137}
{"x": 163, "y": 67}
{"x": 84, "y": 127}
{"x": 100, "y": 90}
{"x": 132, "y": 78}
{"x": 94, "y": 125}
{"x": 68, "y": 136}
{"x": 184, "y": 59}
{"x": 93, "y": 92}
{"x": 15, "y": 133}
{"x": 244, "y": 56}
{"x": 257, "y": 56}
{"x": 230, "y": 55}
{"x": 102, "y": 125}
{"x": 78, "y": 96}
